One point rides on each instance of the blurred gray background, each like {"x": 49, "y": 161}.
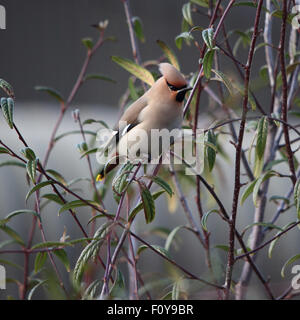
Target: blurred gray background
{"x": 42, "y": 46}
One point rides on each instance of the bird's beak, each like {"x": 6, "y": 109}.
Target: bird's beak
{"x": 181, "y": 93}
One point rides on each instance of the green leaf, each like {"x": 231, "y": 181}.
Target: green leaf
{"x": 12, "y": 233}
{"x": 211, "y": 153}
{"x": 118, "y": 288}
{"x": 91, "y": 250}
{"x": 139, "y": 207}
{"x": 248, "y": 191}
{"x": 53, "y": 197}
{"x": 260, "y": 180}
{"x": 50, "y": 244}
{"x": 38, "y": 187}
{"x": 162, "y": 183}
{"x": 133, "y": 92}
{"x": 187, "y": 13}
{"x": 138, "y": 71}
{"x": 39, "y": 261}
{"x": 262, "y": 132}
{"x": 4, "y": 150}
{"x": 90, "y": 291}
{"x": 62, "y": 256}
{"x": 171, "y": 237}
{"x": 7, "y": 105}
{"x": 74, "y": 132}
{"x": 98, "y": 76}
{"x": 138, "y": 28}
{"x": 13, "y": 163}
{"x": 160, "y": 249}
{"x": 7, "y": 88}
{"x": 297, "y": 197}
{"x": 120, "y": 182}
{"x": 288, "y": 262}
{"x": 176, "y": 290}
{"x": 31, "y": 169}
{"x": 208, "y": 37}
{"x": 57, "y": 176}
{"x": 220, "y": 76}
{"x": 263, "y": 224}
{"x": 201, "y": 3}
{"x": 90, "y": 151}
{"x": 39, "y": 284}
{"x": 169, "y": 54}
{"x": 183, "y": 36}
{"x": 18, "y": 212}
{"x": 208, "y": 62}
{"x": 90, "y": 121}
{"x": 205, "y": 217}
{"x": 88, "y": 43}
{"x": 28, "y": 153}
{"x": 52, "y": 92}
{"x": 272, "y": 244}
{"x": 76, "y": 204}
{"x": 148, "y": 202}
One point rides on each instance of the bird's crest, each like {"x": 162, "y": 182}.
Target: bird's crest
{"x": 172, "y": 75}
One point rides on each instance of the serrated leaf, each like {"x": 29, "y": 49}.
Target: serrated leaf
{"x": 138, "y": 71}
{"x": 260, "y": 180}
{"x": 91, "y": 250}
{"x": 7, "y": 88}
{"x": 90, "y": 291}
{"x": 39, "y": 261}
{"x": 7, "y": 106}
{"x": 52, "y": 92}
{"x": 62, "y": 256}
{"x": 38, "y": 187}
{"x": 98, "y": 76}
{"x": 76, "y": 204}
{"x": 205, "y": 217}
{"x": 187, "y": 13}
{"x": 208, "y": 37}
{"x": 169, "y": 54}
{"x": 208, "y": 62}
{"x": 138, "y": 28}
{"x": 148, "y": 202}
{"x": 120, "y": 182}
{"x": 288, "y": 262}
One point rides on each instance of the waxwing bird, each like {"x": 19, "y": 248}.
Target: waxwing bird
{"x": 161, "y": 107}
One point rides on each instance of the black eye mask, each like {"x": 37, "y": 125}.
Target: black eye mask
{"x": 173, "y": 88}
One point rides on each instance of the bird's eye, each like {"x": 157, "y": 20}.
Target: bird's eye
{"x": 173, "y": 88}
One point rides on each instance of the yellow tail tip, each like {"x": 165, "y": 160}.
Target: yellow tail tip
{"x": 99, "y": 177}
